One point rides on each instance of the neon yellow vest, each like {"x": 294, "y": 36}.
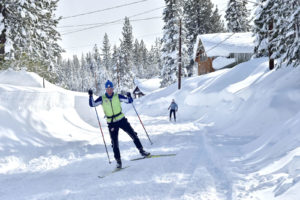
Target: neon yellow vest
{"x": 112, "y": 108}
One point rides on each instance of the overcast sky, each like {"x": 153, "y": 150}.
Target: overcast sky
{"x": 84, "y": 40}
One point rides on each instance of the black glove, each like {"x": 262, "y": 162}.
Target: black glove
{"x": 90, "y": 92}
{"x": 130, "y": 100}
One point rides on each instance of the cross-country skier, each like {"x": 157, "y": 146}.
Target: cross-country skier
{"x": 111, "y": 104}
{"x": 173, "y": 109}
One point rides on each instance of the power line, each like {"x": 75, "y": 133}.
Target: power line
{"x": 103, "y": 23}
{"x": 115, "y": 23}
{"x": 112, "y": 22}
{"x": 148, "y": 11}
{"x": 96, "y": 11}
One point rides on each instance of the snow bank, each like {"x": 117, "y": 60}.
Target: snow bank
{"x": 251, "y": 108}
{"x": 221, "y": 62}
{"x": 20, "y": 78}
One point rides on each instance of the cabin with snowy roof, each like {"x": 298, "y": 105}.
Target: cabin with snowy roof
{"x": 222, "y": 50}
{"x": 137, "y": 93}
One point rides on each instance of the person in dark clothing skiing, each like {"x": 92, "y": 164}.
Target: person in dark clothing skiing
{"x": 173, "y": 109}
{"x": 111, "y": 104}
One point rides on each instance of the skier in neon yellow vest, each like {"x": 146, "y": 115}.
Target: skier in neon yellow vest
{"x": 111, "y": 104}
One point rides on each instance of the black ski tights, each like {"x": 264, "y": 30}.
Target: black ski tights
{"x": 114, "y": 134}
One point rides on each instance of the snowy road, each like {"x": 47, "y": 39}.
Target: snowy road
{"x": 70, "y": 169}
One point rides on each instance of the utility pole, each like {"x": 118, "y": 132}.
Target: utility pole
{"x": 2, "y": 34}
{"x": 271, "y": 61}
{"x": 179, "y": 59}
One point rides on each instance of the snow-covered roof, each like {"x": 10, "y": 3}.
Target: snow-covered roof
{"x": 222, "y": 44}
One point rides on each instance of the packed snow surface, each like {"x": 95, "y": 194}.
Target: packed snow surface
{"x": 236, "y": 137}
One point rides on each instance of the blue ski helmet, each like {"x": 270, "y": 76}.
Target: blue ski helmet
{"x": 109, "y": 84}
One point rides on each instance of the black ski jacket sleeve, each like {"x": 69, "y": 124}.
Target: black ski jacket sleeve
{"x": 93, "y": 103}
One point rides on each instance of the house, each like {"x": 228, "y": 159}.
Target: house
{"x": 137, "y": 93}
{"x": 222, "y": 50}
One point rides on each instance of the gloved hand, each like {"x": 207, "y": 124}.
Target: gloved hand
{"x": 130, "y": 100}
{"x": 90, "y": 92}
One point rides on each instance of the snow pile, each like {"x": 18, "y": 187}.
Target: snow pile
{"x": 236, "y": 137}
{"x": 221, "y": 62}
{"x": 20, "y": 78}
{"x": 147, "y": 86}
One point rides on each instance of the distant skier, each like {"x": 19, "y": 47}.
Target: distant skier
{"x": 111, "y": 104}
{"x": 173, "y": 109}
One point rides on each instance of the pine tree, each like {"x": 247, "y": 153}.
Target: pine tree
{"x": 283, "y": 40}
{"x": 125, "y": 61}
{"x": 217, "y": 23}
{"x": 261, "y": 25}
{"x": 199, "y": 18}
{"x": 28, "y": 33}
{"x": 116, "y": 66}
{"x": 288, "y": 26}
{"x": 157, "y": 54}
{"x": 127, "y": 41}
{"x": 237, "y": 16}
{"x": 76, "y": 74}
{"x": 144, "y": 59}
{"x": 170, "y": 42}
{"x": 153, "y": 63}
{"x": 91, "y": 68}
{"x": 106, "y": 54}
{"x": 68, "y": 73}
{"x": 136, "y": 59}
{"x": 86, "y": 74}
{"x": 98, "y": 70}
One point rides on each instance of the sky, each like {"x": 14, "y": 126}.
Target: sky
{"x": 236, "y": 138}
{"x": 84, "y": 41}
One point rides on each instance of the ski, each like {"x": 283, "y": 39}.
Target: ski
{"x": 153, "y": 156}
{"x": 113, "y": 171}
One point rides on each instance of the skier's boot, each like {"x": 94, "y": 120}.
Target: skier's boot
{"x": 119, "y": 164}
{"x": 144, "y": 153}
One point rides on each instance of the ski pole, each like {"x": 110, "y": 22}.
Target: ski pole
{"x": 102, "y": 136}
{"x": 141, "y": 123}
